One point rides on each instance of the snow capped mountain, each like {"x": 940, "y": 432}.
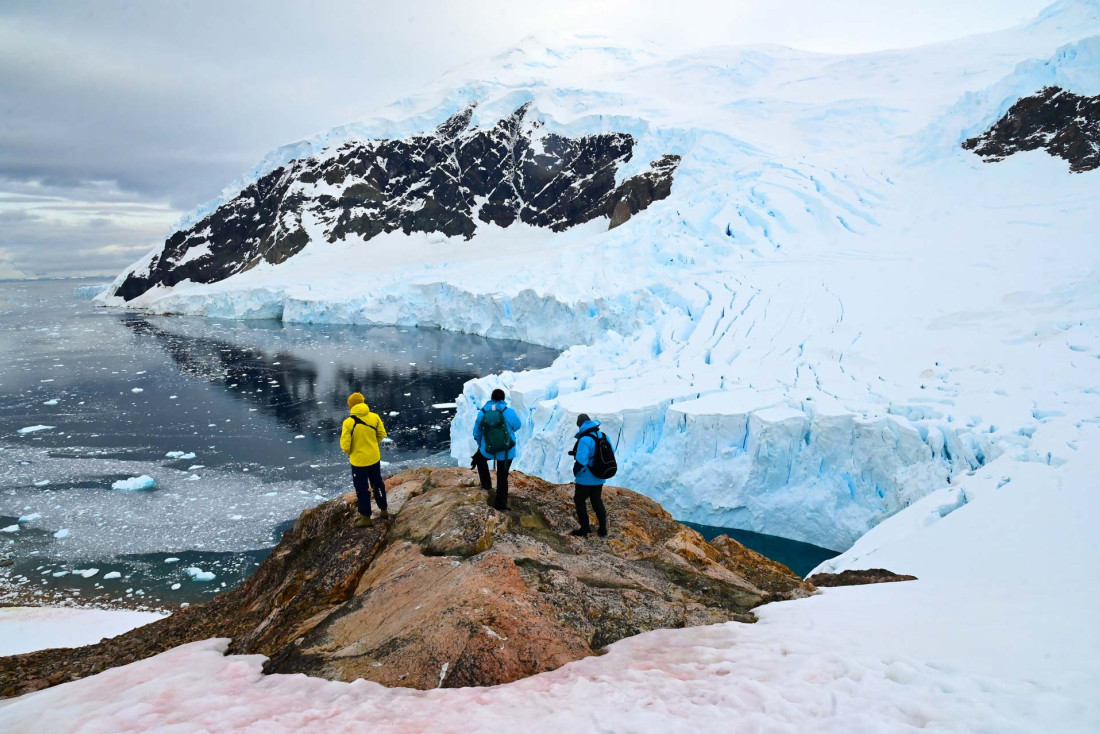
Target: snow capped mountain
{"x": 446, "y": 182}
{"x": 829, "y": 309}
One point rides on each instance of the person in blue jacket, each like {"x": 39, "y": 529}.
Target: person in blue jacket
{"x": 495, "y": 431}
{"x": 586, "y": 485}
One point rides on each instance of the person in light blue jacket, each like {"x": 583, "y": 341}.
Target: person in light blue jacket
{"x": 495, "y": 430}
{"x": 587, "y": 486}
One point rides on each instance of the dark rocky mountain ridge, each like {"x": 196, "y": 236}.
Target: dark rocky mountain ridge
{"x": 1065, "y": 124}
{"x": 448, "y": 181}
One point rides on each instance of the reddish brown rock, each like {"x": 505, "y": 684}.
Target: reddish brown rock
{"x": 452, "y": 592}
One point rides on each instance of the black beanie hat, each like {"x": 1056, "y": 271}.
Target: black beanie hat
{"x": 582, "y": 419}
{"x": 498, "y": 394}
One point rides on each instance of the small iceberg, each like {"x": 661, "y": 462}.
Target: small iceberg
{"x": 445, "y": 406}
{"x": 197, "y": 574}
{"x": 30, "y": 518}
{"x": 62, "y": 533}
{"x": 10, "y": 529}
{"x": 35, "y": 429}
{"x": 135, "y": 484}
{"x": 179, "y": 455}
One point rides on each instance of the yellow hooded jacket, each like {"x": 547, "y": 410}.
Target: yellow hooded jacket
{"x": 360, "y": 442}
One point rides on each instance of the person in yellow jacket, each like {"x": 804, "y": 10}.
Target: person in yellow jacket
{"x": 359, "y": 439}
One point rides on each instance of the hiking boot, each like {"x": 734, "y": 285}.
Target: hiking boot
{"x": 506, "y": 508}
{"x": 602, "y": 532}
{"x": 579, "y": 533}
{"x": 385, "y": 515}
{"x": 364, "y": 521}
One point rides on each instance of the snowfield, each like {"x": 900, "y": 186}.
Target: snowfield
{"x": 26, "y": 629}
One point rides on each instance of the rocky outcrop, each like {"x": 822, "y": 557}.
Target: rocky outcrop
{"x": 858, "y": 577}
{"x": 1065, "y": 124}
{"x": 449, "y": 181}
{"x": 452, "y": 592}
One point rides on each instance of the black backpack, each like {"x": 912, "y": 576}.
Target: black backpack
{"x": 495, "y": 432}
{"x": 603, "y": 464}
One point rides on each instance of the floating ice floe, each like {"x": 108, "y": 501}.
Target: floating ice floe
{"x": 197, "y": 574}
{"x": 51, "y": 402}
{"x": 30, "y": 518}
{"x": 135, "y": 484}
{"x": 35, "y": 429}
{"x": 42, "y": 482}
{"x": 85, "y": 572}
{"x": 171, "y": 560}
{"x": 112, "y": 575}
{"x": 10, "y": 529}
{"x": 137, "y": 389}
{"x": 179, "y": 455}
{"x": 445, "y": 406}
{"x": 62, "y": 533}
{"x": 194, "y": 467}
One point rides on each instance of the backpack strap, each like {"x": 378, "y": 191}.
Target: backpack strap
{"x": 359, "y": 422}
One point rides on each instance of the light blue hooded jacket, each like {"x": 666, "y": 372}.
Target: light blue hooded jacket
{"x": 586, "y": 449}
{"x": 511, "y": 419}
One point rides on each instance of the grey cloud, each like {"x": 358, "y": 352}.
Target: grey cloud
{"x": 165, "y": 103}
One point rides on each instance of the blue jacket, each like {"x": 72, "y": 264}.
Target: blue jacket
{"x": 510, "y": 419}
{"x": 586, "y": 449}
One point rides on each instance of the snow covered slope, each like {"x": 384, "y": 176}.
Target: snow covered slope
{"x": 836, "y": 311}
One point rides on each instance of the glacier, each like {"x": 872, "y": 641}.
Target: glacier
{"x": 836, "y": 313}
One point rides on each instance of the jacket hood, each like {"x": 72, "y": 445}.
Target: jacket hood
{"x": 361, "y": 410}
{"x": 587, "y": 426}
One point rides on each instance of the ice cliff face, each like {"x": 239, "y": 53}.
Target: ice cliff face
{"x": 448, "y": 182}
{"x": 834, "y": 310}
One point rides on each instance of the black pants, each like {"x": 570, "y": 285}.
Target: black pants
{"x": 366, "y": 478}
{"x": 503, "y": 465}
{"x": 581, "y": 495}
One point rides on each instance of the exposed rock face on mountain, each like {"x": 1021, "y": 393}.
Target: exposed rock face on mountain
{"x": 859, "y": 577}
{"x": 447, "y": 181}
{"x": 1065, "y": 124}
{"x": 452, "y": 592}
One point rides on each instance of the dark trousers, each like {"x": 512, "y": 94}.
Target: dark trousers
{"x": 581, "y": 495}
{"x": 503, "y": 465}
{"x": 366, "y": 478}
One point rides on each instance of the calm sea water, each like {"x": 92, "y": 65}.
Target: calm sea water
{"x": 237, "y": 422}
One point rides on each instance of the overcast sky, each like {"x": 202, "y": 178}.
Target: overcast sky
{"x": 116, "y": 117}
